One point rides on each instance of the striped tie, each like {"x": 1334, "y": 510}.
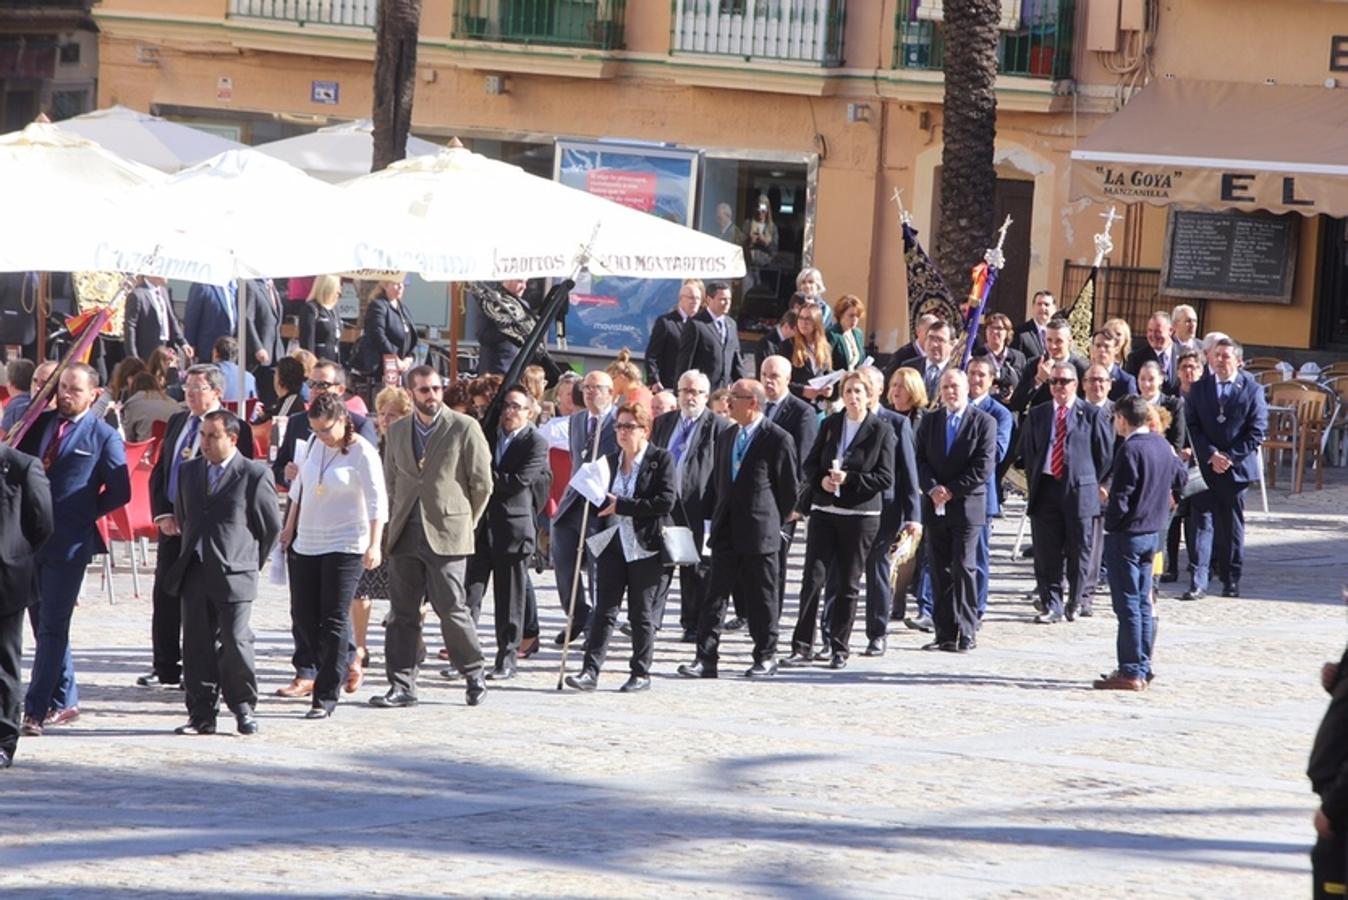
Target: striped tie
{"x": 1059, "y": 443}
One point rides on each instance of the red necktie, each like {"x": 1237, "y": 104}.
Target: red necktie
{"x": 54, "y": 446}
{"x": 1059, "y": 443}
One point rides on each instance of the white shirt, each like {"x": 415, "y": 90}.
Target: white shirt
{"x": 849, "y": 434}
{"x": 625, "y": 486}
{"x": 558, "y": 432}
{"x": 339, "y": 495}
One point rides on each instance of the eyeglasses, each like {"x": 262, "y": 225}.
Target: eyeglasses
{"x": 1061, "y": 382}
{"x": 628, "y": 426}
{"x": 429, "y": 389}
{"x": 692, "y": 392}
{"x": 514, "y": 407}
{"x": 321, "y": 385}
{"x": 198, "y": 389}
{"x": 596, "y": 388}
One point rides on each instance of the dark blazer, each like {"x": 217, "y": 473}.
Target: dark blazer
{"x": 88, "y": 480}
{"x": 140, "y": 328}
{"x": 697, "y": 480}
{"x": 1008, "y": 371}
{"x": 297, "y": 430}
{"x": 801, "y": 375}
{"x": 1174, "y": 434}
{"x": 321, "y": 331}
{"x": 1239, "y": 436}
{"x": 1124, "y": 383}
{"x": 235, "y": 525}
{"x": 389, "y": 331}
{"x": 652, "y": 497}
{"x": 509, "y": 519}
{"x": 1026, "y": 339}
{"x": 798, "y": 419}
{"x": 662, "y": 351}
{"x": 905, "y": 354}
{"x": 263, "y": 329}
{"x": 868, "y": 464}
{"x": 1087, "y": 451}
{"x": 161, "y": 504}
{"x": 751, "y": 509}
{"x": 208, "y": 317}
{"x": 1144, "y": 354}
{"x": 608, "y": 445}
{"x": 1027, "y": 394}
{"x": 1005, "y": 426}
{"x": 1146, "y": 475}
{"x": 700, "y": 348}
{"x": 770, "y": 344}
{"x": 964, "y": 471}
{"x": 26, "y": 511}
{"x": 905, "y": 491}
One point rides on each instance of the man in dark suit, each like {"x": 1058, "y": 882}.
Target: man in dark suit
{"x": 1228, "y": 420}
{"x": 981, "y": 373}
{"x": 1030, "y": 338}
{"x": 25, "y": 524}
{"x": 85, "y": 462}
{"x": 264, "y": 345}
{"x": 916, "y": 349}
{"x": 756, "y": 487}
{"x": 1032, "y": 389}
{"x": 182, "y": 442}
{"x": 326, "y": 375}
{"x": 778, "y": 341}
{"x": 150, "y": 322}
{"x": 568, "y": 556}
{"x": 506, "y": 533}
{"x": 710, "y": 342}
{"x": 230, "y": 519}
{"x": 956, "y": 455}
{"x": 212, "y": 313}
{"x": 690, "y": 433}
{"x": 1160, "y": 349}
{"x": 940, "y": 347}
{"x": 1067, "y": 452}
{"x": 1007, "y": 361}
{"x": 662, "y": 352}
{"x": 798, "y": 419}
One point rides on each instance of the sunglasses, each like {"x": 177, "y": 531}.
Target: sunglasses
{"x": 628, "y": 426}
{"x": 429, "y": 389}
{"x": 1061, "y": 382}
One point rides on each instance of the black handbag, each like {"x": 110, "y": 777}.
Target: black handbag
{"x": 1196, "y": 483}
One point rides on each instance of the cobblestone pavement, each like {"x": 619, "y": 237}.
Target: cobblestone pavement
{"x": 996, "y": 773}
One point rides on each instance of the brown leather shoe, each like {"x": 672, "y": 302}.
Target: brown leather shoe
{"x": 300, "y": 687}
{"x": 1117, "y": 682}
{"x": 355, "y": 674}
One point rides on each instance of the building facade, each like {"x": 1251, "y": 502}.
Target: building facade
{"x": 48, "y": 60}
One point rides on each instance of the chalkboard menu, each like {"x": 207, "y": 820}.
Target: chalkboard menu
{"x": 1230, "y": 255}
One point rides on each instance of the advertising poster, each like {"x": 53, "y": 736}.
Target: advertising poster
{"x": 612, "y": 313}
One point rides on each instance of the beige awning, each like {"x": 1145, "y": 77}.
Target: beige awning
{"x": 1219, "y": 145}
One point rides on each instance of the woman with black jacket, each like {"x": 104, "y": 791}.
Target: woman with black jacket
{"x": 389, "y": 330}
{"x": 844, "y": 477}
{"x": 628, "y": 554}
{"x": 320, "y": 325}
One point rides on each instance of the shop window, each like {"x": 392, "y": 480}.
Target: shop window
{"x": 65, "y": 104}
{"x": 70, "y": 54}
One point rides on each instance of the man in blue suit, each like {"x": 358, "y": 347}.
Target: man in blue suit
{"x": 211, "y": 315}
{"x": 982, "y": 377}
{"x": 85, "y": 462}
{"x": 1228, "y": 419}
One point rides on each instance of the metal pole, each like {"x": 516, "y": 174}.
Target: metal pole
{"x": 580, "y": 559}
{"x": 242, "y": 323}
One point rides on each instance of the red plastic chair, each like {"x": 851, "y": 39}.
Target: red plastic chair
{"x": 560, "y": 462}
{"x": 132, "y": 522}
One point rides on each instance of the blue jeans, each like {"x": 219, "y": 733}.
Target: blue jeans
{"x": 51, "y": 685}
{"x": 1129, "y": 558}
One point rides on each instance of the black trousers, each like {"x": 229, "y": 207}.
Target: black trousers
{"x": 752, "y": 578}
{"x": 321, "y": 588}
{"x": 693, "y": 582}
{"x": 1329, "y": 867}
{"x": 614, "y": 578}
{"x": 1180, "y": 522}
{"x": 835, "y": 557}
{"x": 217, "y": 641}
{"x": 11, "y": 678}
{"x": 1061, "y": 539}
{"x": 952, "y": 548}
{"x": 788, "y": 538}
{"x": 166, "y": 614}
{"x": 565, "y": 561}
{"x": 509, "y": 574}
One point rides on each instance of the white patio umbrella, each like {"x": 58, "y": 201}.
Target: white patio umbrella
{"x": 150, "y": 140}
{"x": 338, "y": 152}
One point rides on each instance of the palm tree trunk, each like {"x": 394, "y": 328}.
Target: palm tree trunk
{"x": 395, "y": 66}
{"x": 968, "y": 176}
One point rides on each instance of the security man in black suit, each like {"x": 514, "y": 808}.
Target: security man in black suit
{"x": 506, "y": 533}
{"x": 262, "y": 333}
{"x": 756, "y": 489}
{"x": 800, "y": 420}
{"x": 956, "y": 455}
{"x": 710, "y": 342}
{"x": 1067, "y": 449}
{"x": 149, "y": 321}
{"x": 662, "y": 352}
{"x": 778, "y": 341}
{"x": 25, "y": 524}
{"x": 1030, "y": 337}
{"x": 1032, "y": 389}
{"x": 691, "y": 434}
{"x": 329, "y": 376}
{"x": 182, "y": 442}
{"x": 1160, "y": 349}
{"x": 230, "y": 519}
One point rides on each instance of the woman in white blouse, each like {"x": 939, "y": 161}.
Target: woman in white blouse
{"x": 338, "y": 507}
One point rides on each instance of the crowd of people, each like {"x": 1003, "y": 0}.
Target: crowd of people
{"x": 717, "y": 461}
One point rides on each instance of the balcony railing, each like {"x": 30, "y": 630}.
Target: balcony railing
{"x": 806, "y": 31}
{"x": 360, "y": 13}
{"x": 1035, "y": 41}
{"x": 569, "y": 23}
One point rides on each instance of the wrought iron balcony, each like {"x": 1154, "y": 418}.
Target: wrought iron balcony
{"x": 359, "y": 13}
{"x": 569, "y": 23}
{"x": 1035, "y": 42}
{"x": 801, "y": 31}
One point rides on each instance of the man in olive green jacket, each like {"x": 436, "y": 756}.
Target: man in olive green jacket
{"x": 438, "y": 469}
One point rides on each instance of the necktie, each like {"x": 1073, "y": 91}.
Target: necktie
{"x": 933, "y": 373}
{"x": 1059, "y": 442}
{"x": 1223, "y": 387}
{"x": 213, "y": 473}
{"x": 161, "y": 310}
{"x": 54, "y": 445}
{"x": 591, "y": 425}
{"x": 501, "y": 446}
{"x": 720, "y": 329}
{"x": 185, "y": 453}
{"x": 741, "y": 445}
{"x": 676, "y": 447}
{"x": 231, "y": 304}
{"x": 952, "y": 427}
{"x": 770, "y": 411}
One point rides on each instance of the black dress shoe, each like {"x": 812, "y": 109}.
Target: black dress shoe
{"x": 877, "y": 647}
{"x": 1086, "y": 612}
{"x": 734, "y": 623}
{"x": 837, "y": 661}
{"x": 247, "y": 722}
{"x": 196, "y": 728}
{"x": 634, "y": 684}
{"x": 967, "y": 644}
{"x": 560, "y": 639}
{"x": 689, "y": 637}
{"x": 1070, "y": 612}
{"x": 1231, "y": 590}
{"x": 1193, "y": 595}
{"x": 626, "y": 628}
{"x": 764, "y": 668}
{"x": 501, "y": 673}
{"x": 946, "y": 646}
{"x": 697, "y": 669}
{"x": 153, "y": 680}
{"x": 921, "y": 623}
{"x": 477, "y": 690}
{"x": 317, "y": 712}
{"x": 1048, "y": 618}
{"x": 797, "y": 660}
{"x": 586, "y": 681}
{"x": 1169, "y": 577}
{"x": 394, "y": 699}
